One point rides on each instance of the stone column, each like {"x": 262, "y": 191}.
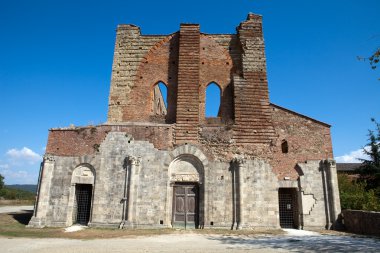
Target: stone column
{"x": 134, "y": 167}
{"x": 240, "y": 165}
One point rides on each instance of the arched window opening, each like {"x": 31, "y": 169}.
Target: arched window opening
{"x": 284, "y": 147}
{"x": 212, "y": 107}
{"x": 160, "y": 99}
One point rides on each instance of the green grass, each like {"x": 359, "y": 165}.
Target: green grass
{"x": 14, "y": 225}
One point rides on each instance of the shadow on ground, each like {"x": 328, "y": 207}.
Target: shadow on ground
{"x": 22, "y": 217}
{"x": 321, "y": 243}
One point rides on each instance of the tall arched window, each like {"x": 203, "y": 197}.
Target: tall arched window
{"x": 213, "y": 95}
{"x": 160, "y": 99}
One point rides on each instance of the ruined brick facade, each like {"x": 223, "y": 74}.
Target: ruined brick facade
{"x": 238, "y": 167}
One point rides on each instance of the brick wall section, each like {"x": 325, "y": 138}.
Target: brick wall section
{"x": 187, "y": 61}
{"x": 252, "y": 111}
{"x": 307, "y": 139}
{"x": 130, "y": 49}
{"x": 86, "y": 140}
{"x": 188, "y": 85}
{"x": 216, "y": 65}
{"x": 160, "y": 63}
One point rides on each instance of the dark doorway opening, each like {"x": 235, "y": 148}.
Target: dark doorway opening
{"x": 288, "y": 206}
{"x": 186, "y": 206}
{"x": 83, "y": 196}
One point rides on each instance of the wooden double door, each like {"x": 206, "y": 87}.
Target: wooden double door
{"x": 186, "y": 206}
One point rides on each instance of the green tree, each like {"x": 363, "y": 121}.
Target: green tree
{"x": 370, "y": 169}
{"x": 1, "y": 182}
{"x": 353, "y": 195}
{"x": 374, "y": 59}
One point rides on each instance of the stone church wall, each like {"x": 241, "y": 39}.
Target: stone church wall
{"x": 237, "y": 162}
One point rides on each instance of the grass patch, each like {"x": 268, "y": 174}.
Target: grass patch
{"x": 14, "y": 225}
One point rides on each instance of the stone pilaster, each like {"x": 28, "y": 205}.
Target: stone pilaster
{"x": 134, "y": 168}
{"x": 240, "y": 166}
{"x": 42, "y": 205}
{"x": 333, "y": 191}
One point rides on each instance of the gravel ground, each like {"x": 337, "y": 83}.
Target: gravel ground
{"x": 197, "y": 243}
{"x": 292, "y": 241}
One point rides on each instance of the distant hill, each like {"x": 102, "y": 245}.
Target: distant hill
{"x": 25, "y": 187}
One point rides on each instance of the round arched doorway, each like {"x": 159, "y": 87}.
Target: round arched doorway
{"x": 186, "y": 175}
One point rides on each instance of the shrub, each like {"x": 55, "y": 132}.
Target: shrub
{"x": 353, "y": 195}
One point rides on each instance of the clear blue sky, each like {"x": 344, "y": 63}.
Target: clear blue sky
{"x": 56, "y": 59}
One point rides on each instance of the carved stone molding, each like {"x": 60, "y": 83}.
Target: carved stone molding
{"x": 184, "y": 178}
{"x": 239, "y": 161}
{"x": 49, "y": 158}
{"x": 134, "y": 160}
{"x": 330, "y": 162}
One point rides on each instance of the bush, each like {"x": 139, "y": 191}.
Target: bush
{"x": 353, "y": 195}
{"x": 8, "y": 193}
{"x": 1, "y": 182}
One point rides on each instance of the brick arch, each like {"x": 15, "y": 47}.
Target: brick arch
{"x": 216, "y": 83}
{"x": 216, "y": 65}
{"x": 187, "y": 149}
{"x": 151, "y": 52}
{"x": 159, "y": 64}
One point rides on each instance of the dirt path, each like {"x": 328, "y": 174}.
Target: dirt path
{"x": 163, "y": 243}
{"x": 14, "y": 209}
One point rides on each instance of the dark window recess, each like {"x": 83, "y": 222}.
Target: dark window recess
{"x": 284, "y": 147}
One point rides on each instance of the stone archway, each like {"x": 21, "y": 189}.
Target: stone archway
{"x": 186, "y": 181}
{"x": 81, "y": 195}
{"x": 187, "y": 166}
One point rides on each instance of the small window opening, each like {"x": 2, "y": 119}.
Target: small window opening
{"x": 160, "y": 101}
{"x": 212, "y": 107}
{"x": 284, "y": 147}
